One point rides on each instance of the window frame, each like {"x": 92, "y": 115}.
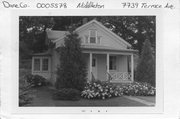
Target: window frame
{"x": 41, "y": 64}
{"x": 34, "y": 64}
{"x": 114, "y": 62}
{"x": 89, "y": 40}
{"x": 93, "y": 62}
{"x": 46, "y": 64}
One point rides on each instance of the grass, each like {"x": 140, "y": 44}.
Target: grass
{"x": 43, "y": 98}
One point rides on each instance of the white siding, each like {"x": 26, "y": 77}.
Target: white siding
{"x": 101, "y": 67}
{"x": 122, "y": 64}
{"x": 105, "y": 40}
{"x": 55, "y": 62}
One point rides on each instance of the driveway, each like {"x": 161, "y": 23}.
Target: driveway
{"x": 43, "y": 97}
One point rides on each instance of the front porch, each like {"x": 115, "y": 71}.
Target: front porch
{"x": 114, "y": 67}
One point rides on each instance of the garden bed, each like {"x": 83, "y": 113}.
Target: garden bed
{"x": 104, "y": 90}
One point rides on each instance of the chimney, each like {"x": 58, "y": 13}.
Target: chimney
{"x": 85, "y": 20}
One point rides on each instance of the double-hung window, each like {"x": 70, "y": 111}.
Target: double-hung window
{"x": 92, "y": 37}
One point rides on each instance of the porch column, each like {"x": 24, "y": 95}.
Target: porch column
{"x": 107, "y": 65}
{"x": 90, "y": 65}
{"x": 132, "y": 68}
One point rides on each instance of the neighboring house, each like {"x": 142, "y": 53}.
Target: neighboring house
{"x": 107, "y": 55}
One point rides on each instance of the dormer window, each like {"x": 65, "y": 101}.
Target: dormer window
{"x": 93, "y": 36}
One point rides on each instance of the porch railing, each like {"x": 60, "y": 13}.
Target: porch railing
{"x": 119, "y": 76}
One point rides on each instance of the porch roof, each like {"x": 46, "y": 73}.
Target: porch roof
{"x": 46, "y": 53}
{"x": 107, "y": 48}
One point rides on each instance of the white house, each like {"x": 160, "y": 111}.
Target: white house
{"x": 107, "y": 55}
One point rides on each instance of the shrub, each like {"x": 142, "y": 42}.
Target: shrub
{"x": 71, "y": 72}
{"x": 100, "y": 90}
{"x": 25, "y": 97}
{"x": 25, "y": 92}
{"x": 67, "y": 94}
{"x": 103, "y": 90}
{"x": 36, "y": 80}
{"x": 138, "y": 89}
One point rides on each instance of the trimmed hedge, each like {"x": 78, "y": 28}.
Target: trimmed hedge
{"x": 67, "y": 94}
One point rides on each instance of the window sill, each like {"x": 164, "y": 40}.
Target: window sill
{"x": 91, "y": 44}
{"x": 41, "y": 71}
{"x": 112, "y": 70}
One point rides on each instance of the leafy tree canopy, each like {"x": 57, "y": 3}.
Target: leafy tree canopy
{"x": 134, "y": 29}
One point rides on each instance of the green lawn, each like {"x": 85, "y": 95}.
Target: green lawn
{"x": 43, "y": 97}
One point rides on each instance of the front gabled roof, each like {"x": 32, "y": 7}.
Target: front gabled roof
{"x": 106, "y": 29}
{"x": 58, "y": 36}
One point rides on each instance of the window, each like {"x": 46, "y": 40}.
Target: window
{"x": 45, "y": 64}
{"x": 41, "y": 64}
{"x": 36, "y": 64}
{"x": 92, "y": 37}
{"x": 112, "y": 63}
{"x": 93, "y": 62}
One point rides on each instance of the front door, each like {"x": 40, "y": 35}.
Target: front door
{"x": 94, "y": 66}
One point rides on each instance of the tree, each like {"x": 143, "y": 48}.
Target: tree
{"x": 71, "y": 72}
{"x": 146, "y": 66}
{"x": 32, "y": 34}
{"x": 133, "y": 29}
